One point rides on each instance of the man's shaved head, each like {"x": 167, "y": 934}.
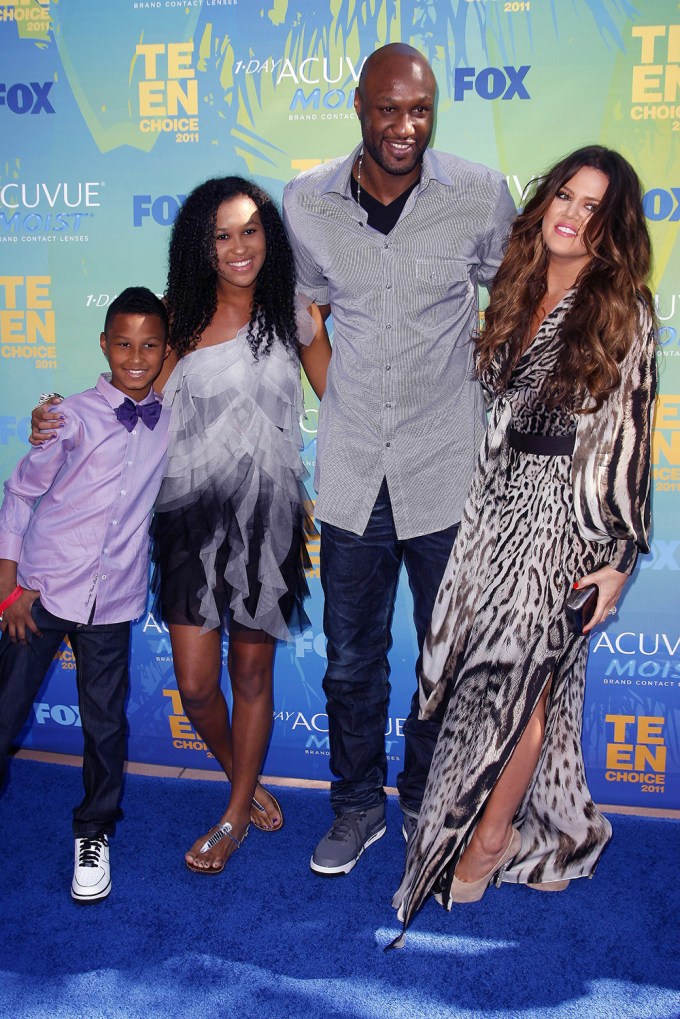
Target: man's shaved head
{"x": 389, "y": 57}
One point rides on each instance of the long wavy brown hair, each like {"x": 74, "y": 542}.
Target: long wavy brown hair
{"x": 598, "y": 329}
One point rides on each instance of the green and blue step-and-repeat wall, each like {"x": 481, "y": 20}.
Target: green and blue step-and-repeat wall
{"x": 111, "y": 112}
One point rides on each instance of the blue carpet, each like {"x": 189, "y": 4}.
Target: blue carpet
{"x": 269, "y": 939}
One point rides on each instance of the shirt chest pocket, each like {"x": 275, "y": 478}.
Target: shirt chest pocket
{"x": 442, "y": 274}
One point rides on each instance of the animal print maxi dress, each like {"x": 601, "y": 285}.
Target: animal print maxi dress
{"x": 531, "y": 526}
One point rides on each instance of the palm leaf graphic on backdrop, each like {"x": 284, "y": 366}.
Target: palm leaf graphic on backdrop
{"x": 242, "y": 106}
{"x": 238, "y": 110}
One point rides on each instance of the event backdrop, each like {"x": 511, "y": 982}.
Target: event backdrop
{"x": 111, "y": 111}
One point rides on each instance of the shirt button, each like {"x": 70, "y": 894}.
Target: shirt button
{"x": 388, "y": 287}
{"x": 388, "y": 326}
{"x": 133, "y": 432}
{"x": 433, "y": 275}
{"x": 103, "y": 576}
{"x": 129, "y": 463}
{"x": 387, "y": 444}
{"x": 388, "y": 405}
{"x": 123, "y": 492}
{"x": 386, "y": 244}
{"x": 114, "y": 522}
{"x": 387, "y": 367}
{"x": 106, "y": 551}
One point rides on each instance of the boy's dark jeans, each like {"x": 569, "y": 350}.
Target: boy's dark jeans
{"x": 102, "y": 653}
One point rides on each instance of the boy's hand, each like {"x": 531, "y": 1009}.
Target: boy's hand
{"x": 17, "y": 618}
{"x": 44, "y": 421}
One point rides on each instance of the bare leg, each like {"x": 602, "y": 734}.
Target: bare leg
{"x": 492, "y": 834}
{"x": 250, "y": 671}
{"x": 198, "y": 665}
{"x": 197, "y": 659}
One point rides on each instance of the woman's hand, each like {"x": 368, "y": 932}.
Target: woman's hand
{"x": 610, "y": 584}
{"x": 44, "y": 421}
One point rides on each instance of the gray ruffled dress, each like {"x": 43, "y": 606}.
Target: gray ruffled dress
{"x": 231, "y": 516}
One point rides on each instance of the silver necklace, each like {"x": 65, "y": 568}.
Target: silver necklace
{"x": 361, "y": 159}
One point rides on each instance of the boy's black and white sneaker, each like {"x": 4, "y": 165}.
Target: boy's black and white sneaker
{"x": 92, "y": 870}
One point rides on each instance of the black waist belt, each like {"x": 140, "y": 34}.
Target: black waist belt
{"x": 544, "y": 445}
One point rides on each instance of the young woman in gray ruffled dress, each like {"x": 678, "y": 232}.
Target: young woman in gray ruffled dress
{"x": 232, "y": 514}
{"x": 560, "y": 499}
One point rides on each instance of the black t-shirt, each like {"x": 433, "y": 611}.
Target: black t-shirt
{"x": 381, "y": 217}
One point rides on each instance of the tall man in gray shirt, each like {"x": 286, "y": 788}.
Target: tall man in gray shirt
{"x": 394, "y": 240}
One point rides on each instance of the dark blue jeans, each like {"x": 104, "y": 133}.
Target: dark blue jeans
{"x": 359, "y": 574}
{"x": 102, "y": 653}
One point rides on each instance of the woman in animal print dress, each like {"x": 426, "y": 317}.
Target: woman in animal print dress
{"x": 560, "y": 499}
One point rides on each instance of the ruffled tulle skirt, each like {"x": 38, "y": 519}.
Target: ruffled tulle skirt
{"x": 236, "y": 550}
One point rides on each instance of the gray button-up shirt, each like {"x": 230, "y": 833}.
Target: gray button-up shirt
{"x": 401, "y": 402}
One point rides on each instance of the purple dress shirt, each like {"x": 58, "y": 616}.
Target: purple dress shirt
{"x": 77, "y": 509}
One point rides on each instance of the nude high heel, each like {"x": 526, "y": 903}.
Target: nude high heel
{"x": 472, "y": 891}
{"x": 548, "y": 886}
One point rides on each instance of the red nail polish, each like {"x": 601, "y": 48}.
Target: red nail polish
{"x": 576, "y": 584}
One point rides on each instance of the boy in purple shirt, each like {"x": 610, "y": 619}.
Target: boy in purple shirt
{"x": 74, "y": 544}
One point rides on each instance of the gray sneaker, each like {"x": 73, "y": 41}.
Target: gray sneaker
{"x": 408, "y": 827}
{"x": 346, "y": 839}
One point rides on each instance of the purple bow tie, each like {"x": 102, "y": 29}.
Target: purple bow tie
{"x": 129, "y": 413}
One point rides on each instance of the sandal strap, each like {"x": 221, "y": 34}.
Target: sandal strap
{"x": 221, "y": 832}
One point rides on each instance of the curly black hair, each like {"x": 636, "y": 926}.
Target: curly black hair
{"x": 191, "y": 292}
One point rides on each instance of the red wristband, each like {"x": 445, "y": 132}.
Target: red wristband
{"x": 11, "y": 598}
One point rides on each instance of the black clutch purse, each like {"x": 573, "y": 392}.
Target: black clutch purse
{"x": 580, "y": 607}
